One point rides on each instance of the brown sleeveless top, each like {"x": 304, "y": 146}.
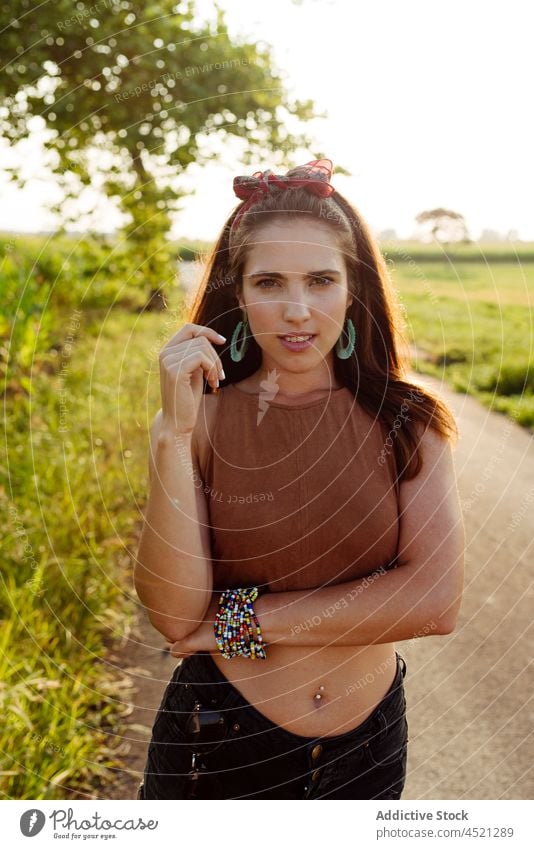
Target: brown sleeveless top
{"x": 297, "y": 497}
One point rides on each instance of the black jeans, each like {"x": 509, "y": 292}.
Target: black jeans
{"x": 246, "y": 756}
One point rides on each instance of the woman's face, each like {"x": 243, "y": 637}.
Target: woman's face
{"x": 295, "y": 283}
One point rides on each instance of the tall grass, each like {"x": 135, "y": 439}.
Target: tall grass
{"x": 75, "y": 476}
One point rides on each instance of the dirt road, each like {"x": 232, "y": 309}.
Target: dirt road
{"x": 469, "y": 694}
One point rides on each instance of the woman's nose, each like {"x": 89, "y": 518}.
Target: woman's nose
{"x": 296, "y": 310}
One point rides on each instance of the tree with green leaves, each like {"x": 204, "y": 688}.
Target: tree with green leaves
{"x": 130, "y": 94}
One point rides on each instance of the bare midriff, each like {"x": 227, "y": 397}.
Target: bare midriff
{"x": 350, "y": 680}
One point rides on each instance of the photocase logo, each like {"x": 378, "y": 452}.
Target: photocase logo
{"x": 32, "y": 822}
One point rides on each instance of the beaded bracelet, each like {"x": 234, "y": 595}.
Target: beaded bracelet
{"x": 233, "y": 633}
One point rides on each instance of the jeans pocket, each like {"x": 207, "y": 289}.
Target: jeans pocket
{"x": 177, "y": 768}
{"x": 187, "y": 727}
{"x": 171, "y": 718}
{"x": 386, "y": 755}
{"x": 166, "y": 773}
{"x": 389, "y": 747}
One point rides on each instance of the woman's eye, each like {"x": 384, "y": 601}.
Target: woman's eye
{"x": 322, "y": 281}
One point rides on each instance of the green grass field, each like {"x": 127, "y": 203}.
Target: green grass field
{"x": 471, "y": 323}
{"x": 404, "y": 251}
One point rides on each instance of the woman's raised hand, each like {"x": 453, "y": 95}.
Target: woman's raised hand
{"x": 183, "y": 362}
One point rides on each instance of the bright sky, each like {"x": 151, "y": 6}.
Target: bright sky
{"x": 427, "y": 103}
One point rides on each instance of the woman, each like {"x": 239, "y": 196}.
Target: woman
{"x": 316, "y": 482}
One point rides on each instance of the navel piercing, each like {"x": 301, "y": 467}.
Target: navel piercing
{"x": 318, "y": 695}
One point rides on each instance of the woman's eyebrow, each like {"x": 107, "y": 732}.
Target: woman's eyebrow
{"x": 278, "y": 274}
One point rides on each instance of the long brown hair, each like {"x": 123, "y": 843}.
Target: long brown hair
{"x": 376, "y": 373}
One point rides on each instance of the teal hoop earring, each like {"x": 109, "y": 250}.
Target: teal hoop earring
{"x": 236, "y": 353}
{"x": 345, "y": 353}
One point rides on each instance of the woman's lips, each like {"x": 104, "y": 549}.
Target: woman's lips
{"x": 297, "y": 346}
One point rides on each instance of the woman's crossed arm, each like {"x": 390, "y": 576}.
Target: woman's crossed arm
{"x": 421, "y": 597}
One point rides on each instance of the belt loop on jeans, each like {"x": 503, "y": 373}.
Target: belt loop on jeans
{"x": 403, "y": 666}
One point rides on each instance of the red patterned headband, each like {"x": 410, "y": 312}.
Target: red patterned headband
{"x": 314, "y": 177}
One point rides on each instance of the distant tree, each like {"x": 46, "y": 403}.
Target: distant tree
{"x": 130, "y": 94}
{"x": 512, "y": 236}
{"x": 446, "y": 225}
{"x": 388, "y": 235}
{"x": 488, "y": 235}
